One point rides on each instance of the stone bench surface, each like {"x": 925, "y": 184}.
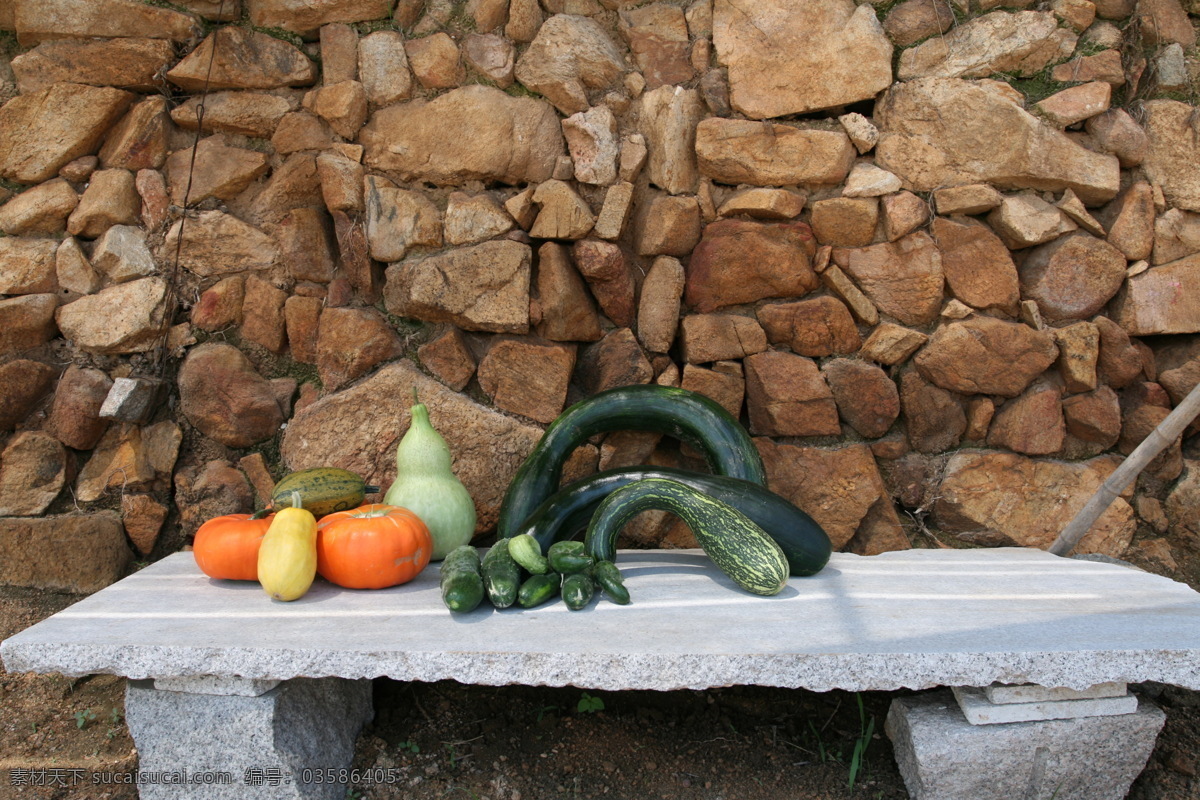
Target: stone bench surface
{"x": 908, "y": 619}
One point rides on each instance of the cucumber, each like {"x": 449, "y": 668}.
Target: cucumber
{"x": 735, "y": 544}
{"x": 609, "y": 578}
{"x": 526, "y": 551}
{"x": 462, "y": 579}
{"x": 501, "y": 575}
{"x": 538, "y": 589}
{"x": 568, "y": 511}
{"x": 568, "y": 558}
{"x": 689, "y": 416}
{"x": 321, "y": 490}
{"x": 577, "y": 590}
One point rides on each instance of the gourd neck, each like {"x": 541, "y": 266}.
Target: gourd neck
{"x": 422, "y": 451}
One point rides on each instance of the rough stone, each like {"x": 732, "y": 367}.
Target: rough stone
{"x": 129, "y": 457}
{"x": 238, "y": 112}
{"x": 305, "y": 246}
{"x": 1074, "y": 208}
{"x": 58, "y": 19}
{"x": 787, "y": 396}
{"x": 1078, "y": 352}
{"x": 592, "y": 141}
{"x": 342, "y": 181}
{"x": 984, "y": 355}
{"x": 126, "y": 318}
{"x": 911, "y": 21}
{"x": 1103, "y": 66}
{"x": 306, "y": 16}
{"x": 220, "y": 171}
{"x": 122, "y": 254}
{"x": 244, "y": 59}
{"x": 718, "y": 337}
{"x": 769, "y": 204}
{"x": 1009, "y": 499}
{"x": 935, "y": 419}
{"x": 216, "y": 243}
{"x": 525, "y": 20}
{"x": 1023, "y": 43}
{"x": 449, "y": 358}
{"x": 398, "y": 219}
{"x": 868, "y": 180}
{"x": 74, "y": 415}
{"x": 860, "y": 305}
{"x": 1130, "y": 221}
{"x": 978, "y": 267}
{"x": 383, "y": 68}
{"x": 838, "y": 488}
{"x": 1119, "y": 363}
{"x": 492, "y": 56}
{"x": 862, "y": 131}
{"x": 142, "y": 517}
{"x": 1163, "y": 22}
{"x": 110, "y": 199}
{"x": 152, "y": 188}
{"x": 343, "y": 106}
{"x": 1140, "y": 309}
{"x": 339, "y": 53}
{"x": 1025, "y": 220}
{"x": 262, "y": 314}
{"x": 225, "y": 398}
{"x": 302, "y": 319}
{"x": 891, "y": 344}
{"x": 80, "y": 553}
{"x": 1094, "y": 416}
{"x": 1173, "y": 155}
{"x": 498, "y": 138}
{"x": 771, "y": 154}
{"x": 785, "y": 58}
{"x": 903, "y": 213}
{"x": 569, "y": 55}
{"x": 867, "y": 399}
{"x": 567, "y": 313}
{"x": 727, "y": 388}
{"x": 668, "y": 119}
{"x": 471, "y": 219}
{"x": 1176, "y": 236}
{"x": 658, "y": 38}
{"x": 39, "y": 210}
{"x": 26, "y": 322}
{"x": 27, "y": 265}
{"x": 210, "y": 490}
{"x": 903, "y": 278}
{"x": 435, "y": 61}
{"x": 479, "y": 288}
{"x": 125, "y": 63}
{"x": 947, "y": 757}
{"x": 975, "y": 198}
{"x": 43, "y": 131}
{"x": 1031, "y": 423}
{"x": 845, "y": 221}
{"x": 1076, "y": 103}
{"x": 667, "y": 225}
{"x": 301, "y": 131}
{"x": 563, "y": 213}
{"x": 1072, "y": 277}
{"x": 33, "y": 472}
{"x": 610, "y": 277}
{"x": 931, "y": 130}
{"x": 741, "y": 261}
{"x": 528, "y": 376}
{"x": 351, "y": 342}
{"x": 618, "y": 202}
{"x": 615, "y": 360}
{"x": 815, "y": 328}
{"x": 1117, "y": 133}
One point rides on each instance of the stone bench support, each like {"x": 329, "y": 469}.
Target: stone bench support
{"x": 278, "y": 742}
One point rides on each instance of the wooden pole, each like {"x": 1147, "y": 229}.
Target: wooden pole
{"x": 1159, "y": 439}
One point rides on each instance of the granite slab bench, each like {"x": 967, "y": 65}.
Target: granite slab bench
{"x": 225, "y": 680}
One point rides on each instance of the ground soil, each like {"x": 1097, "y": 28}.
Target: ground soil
{"x": 446, "y": 740}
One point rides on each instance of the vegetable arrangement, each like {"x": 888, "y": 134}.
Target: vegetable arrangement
{"x": 315, "y": 523}
{"x": 284, "y": 547}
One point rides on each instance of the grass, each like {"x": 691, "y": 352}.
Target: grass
{"x": 866, "y": 731}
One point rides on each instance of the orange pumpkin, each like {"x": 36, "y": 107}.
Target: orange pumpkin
{"x": 227, "y": 547}
{"x": 372, "y": 547}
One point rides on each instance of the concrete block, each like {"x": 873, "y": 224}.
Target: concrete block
{"x": 979, "y": 711}
{"x": 269, "y": 747}
{"x": 943, "y": 757}
{"x": 1032, "y": 693}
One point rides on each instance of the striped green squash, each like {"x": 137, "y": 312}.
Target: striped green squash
{"x": 741, "y": 549}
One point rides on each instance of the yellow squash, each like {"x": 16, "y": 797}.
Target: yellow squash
{"x": 287, "y": 558}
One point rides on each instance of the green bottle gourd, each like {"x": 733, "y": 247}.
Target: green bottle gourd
{"x": 425, "y": 484}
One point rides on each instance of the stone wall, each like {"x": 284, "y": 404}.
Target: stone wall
{"x": 942, "y": 257}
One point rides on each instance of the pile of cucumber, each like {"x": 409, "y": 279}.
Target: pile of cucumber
{"x": 515, "y": 572}
{"x": 755, "y": 536}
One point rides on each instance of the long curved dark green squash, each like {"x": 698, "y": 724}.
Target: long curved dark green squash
{"x": 688, "y": 416}
{"x": 567, "y": 512}
{"x": 735, "y": 544}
